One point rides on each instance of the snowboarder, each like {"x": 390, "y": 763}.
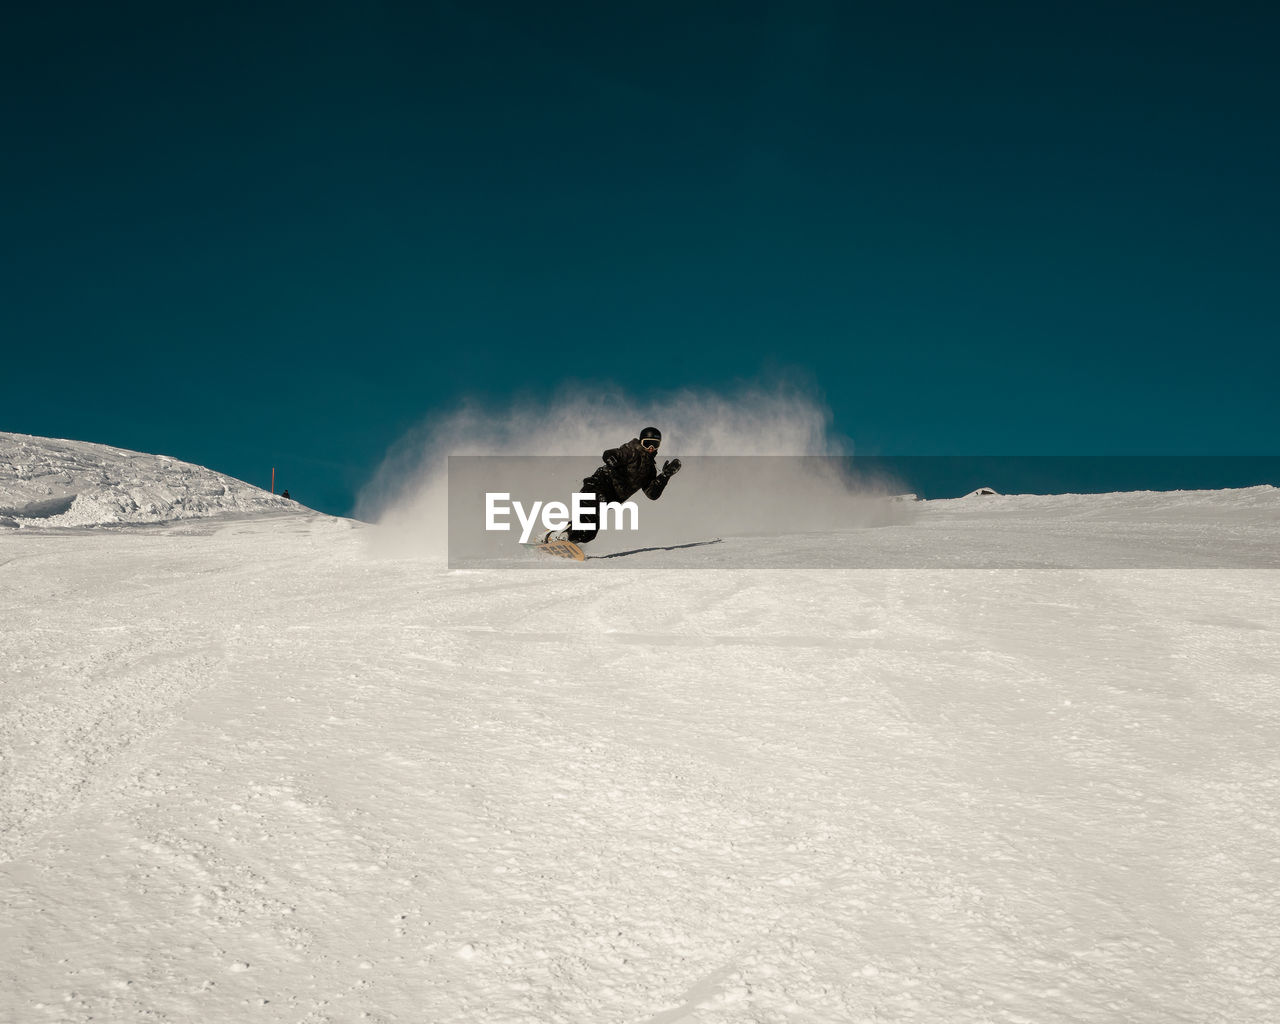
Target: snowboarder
{"x": 628, "y": 468}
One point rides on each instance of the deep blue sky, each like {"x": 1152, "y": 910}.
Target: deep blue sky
{"x": 256, "y": 234}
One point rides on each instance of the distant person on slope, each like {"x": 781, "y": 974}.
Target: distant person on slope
{"x": 628, "y": 468}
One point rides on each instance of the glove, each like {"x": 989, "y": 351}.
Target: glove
{"x": 612, "y": 463}
{"x": 671, "y": 467}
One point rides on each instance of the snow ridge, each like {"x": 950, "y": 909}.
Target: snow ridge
{"x": 47, "y": 482}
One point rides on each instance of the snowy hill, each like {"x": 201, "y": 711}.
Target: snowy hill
{"x": 248, "y": 771}
{"x": 46, "y": 482}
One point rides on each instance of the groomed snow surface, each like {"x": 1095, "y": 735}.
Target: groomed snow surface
{"x": 252, "y": 773}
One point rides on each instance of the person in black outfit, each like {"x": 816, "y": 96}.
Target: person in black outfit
{"x": 628, "y": 468}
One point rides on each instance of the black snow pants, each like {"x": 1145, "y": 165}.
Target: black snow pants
{"x": 590, "y": 517}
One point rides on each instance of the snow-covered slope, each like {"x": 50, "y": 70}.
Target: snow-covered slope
{"x": 1229, "y": 529}
{"x": 49, "y": 483}
{"x": 251, "y": 773}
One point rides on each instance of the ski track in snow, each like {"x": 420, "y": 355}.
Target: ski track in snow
{"x": 251, "y": 774}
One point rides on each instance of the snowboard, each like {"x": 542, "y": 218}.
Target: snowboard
{"x": 560, "y": 548}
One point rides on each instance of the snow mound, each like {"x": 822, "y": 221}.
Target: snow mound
{"x": 45, "y": 482}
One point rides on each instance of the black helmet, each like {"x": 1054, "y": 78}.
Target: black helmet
{"x": 650, "y": 433}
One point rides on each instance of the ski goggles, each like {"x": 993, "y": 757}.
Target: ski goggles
{"x": 649, "y": 444}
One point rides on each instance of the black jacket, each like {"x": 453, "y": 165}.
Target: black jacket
{"x": 627, "y": 469}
